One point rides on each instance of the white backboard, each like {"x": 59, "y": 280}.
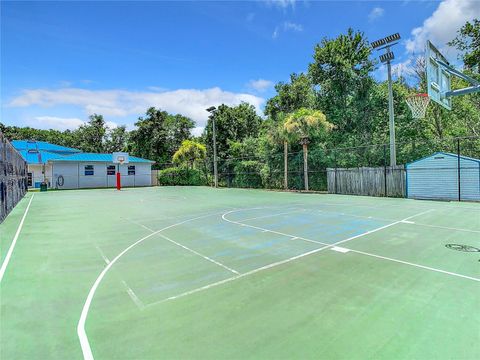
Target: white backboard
{"x": 120, "y": 158}
{"x": 438, "y": 79}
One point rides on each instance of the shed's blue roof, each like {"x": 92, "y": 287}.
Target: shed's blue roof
{"x": 42, "y": 145}
{"x": 447, "y": 154}
{"x": 86, "y": 157}
{"x": 38, "y": 156}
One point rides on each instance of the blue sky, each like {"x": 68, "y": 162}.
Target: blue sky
{"x": 62, "y": 61}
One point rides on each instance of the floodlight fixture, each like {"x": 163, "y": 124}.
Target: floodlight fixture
{"x": 386, "y": 40}
{"x": 388, "y": 56}
{"x": 211, "y": 109}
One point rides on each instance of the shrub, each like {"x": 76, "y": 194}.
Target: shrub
{"x": 247, "y": 174}
{"x": 182, "y": 176}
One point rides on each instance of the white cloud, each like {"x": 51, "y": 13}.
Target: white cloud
{"x": 404, "y": 69}
{"x": 57, "y": 123}
{"x": 60, "y": 123}
{"x": 287, "y": 26}
{"x": 442, "y": 25}
{"x": 260, "y": 85}
{"x": 275, "y": 33}
{"x": 376, "y": 13}
{"x": 281, "y": 4}
{"x": 121, "y": 103}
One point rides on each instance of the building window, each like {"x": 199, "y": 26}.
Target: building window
{"x": 29, "y": 179}
{"x": 89, "y": 170}
{"x": 110, "y": 169}
{"x": 131, "y": 169}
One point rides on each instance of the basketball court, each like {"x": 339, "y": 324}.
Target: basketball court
{"x": 224, "y": 273}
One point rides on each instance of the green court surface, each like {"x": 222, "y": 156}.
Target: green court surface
{"x": 193, "y": 272}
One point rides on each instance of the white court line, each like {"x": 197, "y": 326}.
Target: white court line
{"x": 129, "y": 291}
{"x": 416, "y": 265}
{"x": 14, "y": 241}
{"x": 272, "y": 215}
{"x": 188, "y": 249}
{"x": 133, "y": 296}
{"x": 278, "y": 262}
{"x": 444, "y": 227}
{"x": 201, "y": 255}
{"x": 82, "y": 335}
{"x": 104, "y": 257}
{"x": 404, "y": 221}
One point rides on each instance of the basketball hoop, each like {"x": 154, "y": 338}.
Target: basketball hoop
{"x": 418, "y": 104}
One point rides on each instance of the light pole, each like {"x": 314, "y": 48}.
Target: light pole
{"x": 393, "y": 150}
{"x": 212, "y": 110}
{"x": 387, "y": 57}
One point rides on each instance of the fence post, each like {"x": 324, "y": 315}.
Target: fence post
{"x": 385, "y": 169}
{"x": 458, "y": 170}
{"x": 285, "y": 165}
{"x": 335, "y": 172}
{"x": 305, "y": 165}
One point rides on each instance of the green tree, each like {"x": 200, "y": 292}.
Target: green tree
{"x": 298, "y": 93}
{"x": 301, "y": 125}
{"x": 91, "y": 136}
{"x": 342, "y": 70}
{"x": 232, "y": 124}
{"x": 468, "y": 42}
{"x": 190, "y": 153}
{"x": 116, "y": 139}
{"x": 158, "y": 135}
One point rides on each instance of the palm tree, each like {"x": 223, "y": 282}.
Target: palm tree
{"x": 301, "y": 125}
{"x": 278, "y": 135}
{"x": 190, "y": 152}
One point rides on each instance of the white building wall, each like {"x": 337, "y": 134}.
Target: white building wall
{"x": 37, "y": 173}
{"x": 436, "y": 177}
{"x": 74, "y": 175}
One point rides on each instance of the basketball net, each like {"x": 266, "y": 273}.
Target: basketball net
{"x": 418, "y": 104}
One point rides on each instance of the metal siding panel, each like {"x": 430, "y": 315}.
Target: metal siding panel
{"x": 434, "y": 177}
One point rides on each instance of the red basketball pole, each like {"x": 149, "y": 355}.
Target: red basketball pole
{"x": 119, "y": 186}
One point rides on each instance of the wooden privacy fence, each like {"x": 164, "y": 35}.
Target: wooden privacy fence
{"x": 155, "y": 177}
{"x": 370, "y": 181}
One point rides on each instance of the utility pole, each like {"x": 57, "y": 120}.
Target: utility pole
{"x": 212, "y": 110}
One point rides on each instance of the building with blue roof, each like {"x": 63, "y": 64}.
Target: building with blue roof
{"x": 68, "y": 168}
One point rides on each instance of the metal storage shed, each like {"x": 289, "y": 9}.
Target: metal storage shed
{"x": 444, "y": 176}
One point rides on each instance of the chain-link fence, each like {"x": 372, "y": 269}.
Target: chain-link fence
{"x": 447, "y": 169}
{"x": 13, "y": 177}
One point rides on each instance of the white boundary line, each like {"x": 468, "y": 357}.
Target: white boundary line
{"x": 14, "y": 241}
{"x": 278, "y": 262}
{"x": 82, "y": 335}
